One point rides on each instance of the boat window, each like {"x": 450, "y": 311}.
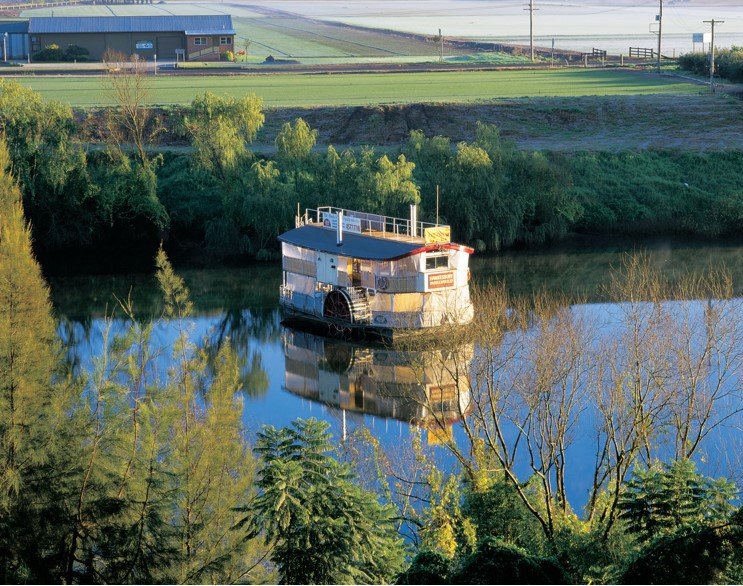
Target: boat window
{"x": 440, "y": 261}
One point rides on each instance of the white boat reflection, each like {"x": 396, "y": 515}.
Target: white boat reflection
{"x": 426, "y": 387}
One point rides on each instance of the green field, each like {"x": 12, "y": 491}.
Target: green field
{"x": 370, "y": 88}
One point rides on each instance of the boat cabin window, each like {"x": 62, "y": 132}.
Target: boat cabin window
{"x": 439, "y": 261}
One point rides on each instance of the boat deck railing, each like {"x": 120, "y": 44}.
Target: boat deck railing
{"x": 376, "y": 225}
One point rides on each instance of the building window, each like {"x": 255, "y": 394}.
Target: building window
{"x": 199, "y": 41}
{"x": 437, "y": 262}
{"x": 225, "y": 41}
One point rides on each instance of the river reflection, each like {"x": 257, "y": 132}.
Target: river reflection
{"x": 418, "y": 386}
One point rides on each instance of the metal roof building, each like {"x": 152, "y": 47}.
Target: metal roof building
{"x": 190, "y": 25}
{"x": 196, "y": 37}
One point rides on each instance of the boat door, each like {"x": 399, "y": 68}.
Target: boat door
{"x": 327, "y": 268}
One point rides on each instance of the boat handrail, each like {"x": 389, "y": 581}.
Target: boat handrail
{"x": 377, "y": 224}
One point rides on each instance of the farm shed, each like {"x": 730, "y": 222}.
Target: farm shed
{"x": 200, "y": 37}
{"x": 13, "y": 40}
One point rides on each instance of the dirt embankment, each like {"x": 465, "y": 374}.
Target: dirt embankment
{"x": 686, "y": 122}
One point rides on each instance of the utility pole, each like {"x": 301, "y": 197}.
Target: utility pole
{"x": 660, "y": 31}
{"x": 552, "y": 58}
{"x": 531, "y": 10}
{"x": 437, "y": 205}
{"x": 713, "y": 22}
{"x": 441, "y": 46}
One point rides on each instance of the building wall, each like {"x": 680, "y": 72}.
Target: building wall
{"x": 163, "y": 44}
{"x": 211, "y": 51}
{"x": 16, "y": 44}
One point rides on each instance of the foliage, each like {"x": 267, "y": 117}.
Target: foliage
{"x": 323, "y": 528}
{"x": 446, "y": 529}
{"x": 728, "y": 63}
{"x": 294, "y": 143}
{"x": 492, "y": 193}
{"x": 222, "y": 201}
{"x": 129, "y": 204}
{"x": 29, "y": 350}
{"x": 220, "y": 127}
{"x": 368, "y": 183}
{"x": 427, "y": 567}
{"x": 53, "y": 53}
{"x": 663, "y": 498}
{"x": 120, "y": 475}
{"x": 496, "y": 510}
{"x": 657, "y": 192}
{"x": 496, "y": 562}
{"x": 711, "y": 554}
{"x": 49, "y": 163}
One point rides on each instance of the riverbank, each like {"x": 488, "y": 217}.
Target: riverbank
{"x": 627, "y": 196}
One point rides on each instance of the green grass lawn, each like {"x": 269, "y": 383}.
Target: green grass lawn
{"x": 370, "y": 88}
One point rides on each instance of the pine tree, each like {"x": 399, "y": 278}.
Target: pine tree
{"x": 323, "y": 527}
{"x": 665, "y": 497}
{"x": 209, "y": 461}
{"x": 28, "y": 344}
{"x": 35, "y": 402}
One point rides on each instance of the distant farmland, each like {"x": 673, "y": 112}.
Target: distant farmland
{"x": 283, "y": 35}
{"x": 371, "y": 88}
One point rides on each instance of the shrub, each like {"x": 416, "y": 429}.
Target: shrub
{"x": 427, "y": 567}
{"x": 728, "y": 63}
{"x": 50, "y": 53}
{"x": 76, "y": 53}
{"x": 496, "y": 562}
{"x": 228, "y": 56}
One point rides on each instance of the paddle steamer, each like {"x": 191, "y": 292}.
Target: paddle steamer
{"x": 356, "y": 273}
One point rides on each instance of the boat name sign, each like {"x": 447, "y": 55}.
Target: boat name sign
{"x": 350, "y": 224}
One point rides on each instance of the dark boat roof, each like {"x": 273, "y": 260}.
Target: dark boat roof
{"x": 359, "y": 246}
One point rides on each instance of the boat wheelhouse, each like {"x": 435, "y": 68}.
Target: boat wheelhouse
{"x": 355, "y": 271}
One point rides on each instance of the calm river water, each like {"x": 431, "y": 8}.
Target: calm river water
{"x": 290, "y": 374}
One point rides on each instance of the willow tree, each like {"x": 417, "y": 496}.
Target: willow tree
{"x": 220, "y": 128}
{"x": 49, "y": 164}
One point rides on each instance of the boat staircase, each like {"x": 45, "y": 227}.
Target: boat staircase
{"x": 359, "y": 301}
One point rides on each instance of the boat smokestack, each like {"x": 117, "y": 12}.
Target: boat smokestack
{"x": 339, "y": 233}
{"x": 413, "y": 220}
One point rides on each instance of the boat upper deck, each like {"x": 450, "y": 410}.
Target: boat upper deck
{"x": 377, "y": 225}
